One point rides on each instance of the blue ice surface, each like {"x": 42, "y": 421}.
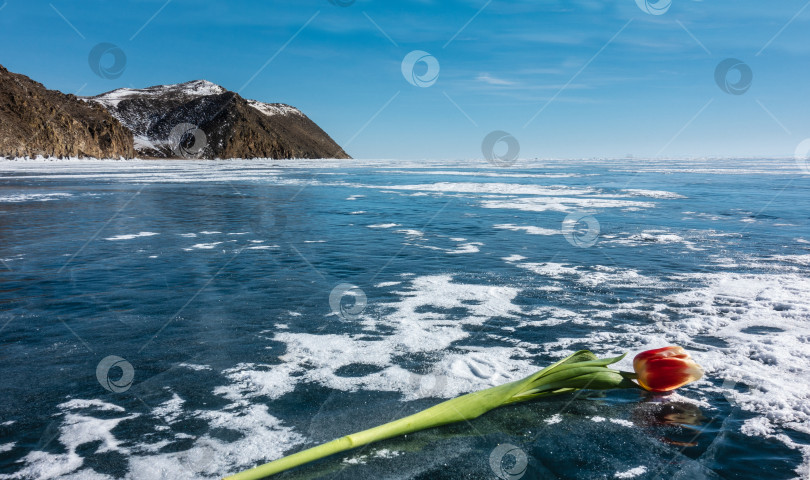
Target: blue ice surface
{"x": 213, "y": 281}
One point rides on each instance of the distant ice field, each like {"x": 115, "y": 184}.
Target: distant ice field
{"x": 264, "y": 306}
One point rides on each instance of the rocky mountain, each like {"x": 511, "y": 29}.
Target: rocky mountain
{"x": 195, "y": 119}
{"x": 37, "y": 121}
{"x": 199, "y": 119}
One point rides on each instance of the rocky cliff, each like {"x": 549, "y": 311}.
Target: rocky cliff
{"x": 37, "y": 121}
{"x": 199, "y": 119}
{"x": 195, "y": 119}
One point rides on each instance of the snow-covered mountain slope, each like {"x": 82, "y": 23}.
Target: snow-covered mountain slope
{"x": 195, "y": 88}
{"x": 274, "y": 108}
{"x": 203, "y": 120}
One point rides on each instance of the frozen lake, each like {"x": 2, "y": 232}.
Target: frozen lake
{"x": 181, "y": 319}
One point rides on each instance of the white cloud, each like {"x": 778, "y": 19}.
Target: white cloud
{"x": 487, "y": 78}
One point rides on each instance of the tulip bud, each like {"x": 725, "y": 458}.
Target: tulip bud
{"x": 665, "y": 369}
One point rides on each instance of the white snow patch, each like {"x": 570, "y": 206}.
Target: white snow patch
{"x": 80, "y": 404}
{"x": 637, "y": 192}
{"x": 632, "y": 473}
{"x": 261, "y": 438}
{"x": 132, "y": 236}
{"x": 564, "y": 204}
{"x": 194, "y": 366}
{"x": 486, "y": 174}
{"x": 493, "y": 188}
{"x": 75, "y": 431}
{"x": 204, "y": 246}
{"x": 36, "y": 197}
{"x": 470, "y": 247}
{"x": 531, "y": 230}
{"x": 362, "y": 459}
{"x": 416, "y": 324}
{"x": 170, "y": 410}
{"x": 623, "y": 422}
{"x": 272, "y": 109}
{"x": 410, "y": 232}
{"x": 195, "y": 88}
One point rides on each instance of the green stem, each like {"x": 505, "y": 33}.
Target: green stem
{"x": 455, "y": 410}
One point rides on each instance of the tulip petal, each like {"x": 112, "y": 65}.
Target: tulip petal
{"x": 665, "y": 369}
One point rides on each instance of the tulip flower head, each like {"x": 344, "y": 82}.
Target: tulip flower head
{"x": 665, "y": 369}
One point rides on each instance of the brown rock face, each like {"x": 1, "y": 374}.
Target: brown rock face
{"x": 37, "y": 121}
{"x": 256, "y": 134}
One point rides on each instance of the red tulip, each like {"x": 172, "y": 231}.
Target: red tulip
{"x": 665, "y": 369}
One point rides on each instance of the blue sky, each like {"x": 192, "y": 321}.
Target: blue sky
{"x": 566, "y": 78}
